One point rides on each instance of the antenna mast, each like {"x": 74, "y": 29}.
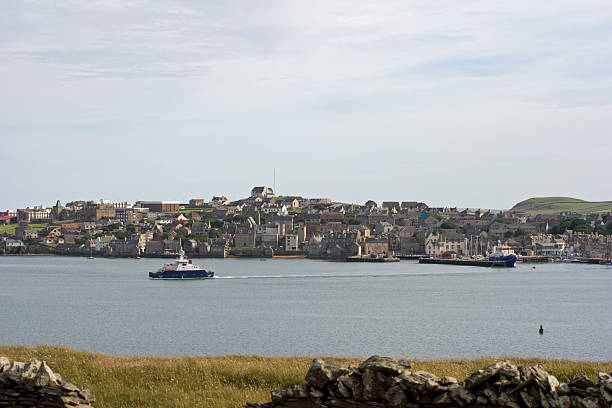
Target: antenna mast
{"x": 274, "y": 185}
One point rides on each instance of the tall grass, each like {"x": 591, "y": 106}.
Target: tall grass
{"x": 227, "y": 381}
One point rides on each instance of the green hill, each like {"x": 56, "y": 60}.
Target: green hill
{"x": 556, "y": 205}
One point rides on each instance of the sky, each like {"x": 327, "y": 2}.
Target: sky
{"x": 470, "y": 104}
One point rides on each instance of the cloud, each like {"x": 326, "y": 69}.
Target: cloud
{"x": 317, "y": 88}
{"x": 574, "y": 98}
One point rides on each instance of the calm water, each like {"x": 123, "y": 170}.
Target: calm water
{"x": 307, "y": 307}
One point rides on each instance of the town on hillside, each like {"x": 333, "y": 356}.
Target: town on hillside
{"x": 265, "y": 225}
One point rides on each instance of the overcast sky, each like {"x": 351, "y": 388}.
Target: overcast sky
{"x": 470, "y": 103}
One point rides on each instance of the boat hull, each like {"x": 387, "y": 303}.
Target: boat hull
{"x": 195, "y": 274}
{"x": 508, "y": 260}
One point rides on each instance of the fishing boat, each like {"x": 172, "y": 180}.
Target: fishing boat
{"x": 503, "y": 253}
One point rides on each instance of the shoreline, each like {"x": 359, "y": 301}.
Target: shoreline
{"x": 160, "y": 257}
{"x": 59, "y": 347}
{"x": 301, "y": 256}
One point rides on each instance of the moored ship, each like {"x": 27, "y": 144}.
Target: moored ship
{"x": 503, "y": 253}
{"x": 181, "y": 269}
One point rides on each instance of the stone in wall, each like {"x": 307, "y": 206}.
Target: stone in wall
{"x": 34, "y": 384}
{"x": 386, "y": 382}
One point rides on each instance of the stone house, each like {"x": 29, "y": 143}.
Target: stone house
{"x": 312, "y": 217}
{"x": 89, "y": 225}
{"x": 102, "y": 242}
{"x": 319, "y": 201}
{"x": 70, "y": 238}
{"x": 223, "y": 212}
{"x": 71, "y": 227}
{"x": 383, "y": 228}
{"x": 171, "y": 246}
{"x": 369, "y": 205}
{"x": 52, "y": 232}
{"x": 244, "y": 238}
{"x": 95, "y": 212}
{"x": 335, "y": 245}
{"x": 196, "y": 202}
{"x": 362, "y": 229}
{"x": 300, "y": 231}
{"x": 142, "y": 240}
{"x": 24, "y": 232}
{"x": 267, "y": 236}
{"x": 200, "y": 228}
{"x": 273, "y": 208}
{"x": 203, "y": 249}
{"x": 290, "y": 202}
{"x": 52, "y": 240}
{"x": 391, "y": 205}
{"x": 219, "y": 201}
{"x": 429, "y": 222}
{"x": 154, "y": 248}
{"x": 379, "y": 246}
{"x": 331, "y": 217}
{"x": 322, "y": 229}
{"x": 342, "y": 245}
{"x": 190, "y": 247}
{"x": 194, "y": 216}
{"x": 262, "y": 192}
{"x": 407, "y": 231}
{"x": 120, "y": 247}
{"x": 291, "y": 242}
{"x": 472, "y": 225}
{"x": 451, "y": 241}
{"x": 253, "y": 212}
{"x": 219, "y": 248}
{"x": 285, "y": 222}
{"x": 412, "y": 245}
{"x": 378, "y": 215}
{"x": 181, "y": 229}
{"x": 181, "y": 218}
{"x": 413, "y": 206}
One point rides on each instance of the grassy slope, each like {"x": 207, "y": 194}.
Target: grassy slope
{"x": 227, "y": 381}
{"x": 555, "y": 205}
{"x": 8, "y": 229}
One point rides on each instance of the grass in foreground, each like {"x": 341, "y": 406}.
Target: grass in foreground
{"x": 228, "y": 381}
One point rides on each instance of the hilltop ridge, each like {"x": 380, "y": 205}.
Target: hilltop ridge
{"x": 556, "y": 205}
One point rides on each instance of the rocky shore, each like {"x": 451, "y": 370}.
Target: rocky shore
{"x": 34, "y": 384}
{"x": 385, "y": 382}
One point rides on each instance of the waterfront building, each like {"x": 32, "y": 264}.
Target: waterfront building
{"x": 291, "y": 242}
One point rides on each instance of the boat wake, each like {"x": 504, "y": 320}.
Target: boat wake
{"x": 364, "y": 276}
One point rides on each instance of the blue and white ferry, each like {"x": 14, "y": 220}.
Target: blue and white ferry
{"x": 503, "y": 253}
{"x": 181, "y": 269}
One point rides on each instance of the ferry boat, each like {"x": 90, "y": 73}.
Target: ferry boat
{"x": 503, "y": 253}
{"x": 182, "y": 268}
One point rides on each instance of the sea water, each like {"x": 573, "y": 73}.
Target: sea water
{"x": 309, "y": 307}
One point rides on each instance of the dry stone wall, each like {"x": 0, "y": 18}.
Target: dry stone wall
{"x": 385, "y": 382}
{"x": 34, "y": 384}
